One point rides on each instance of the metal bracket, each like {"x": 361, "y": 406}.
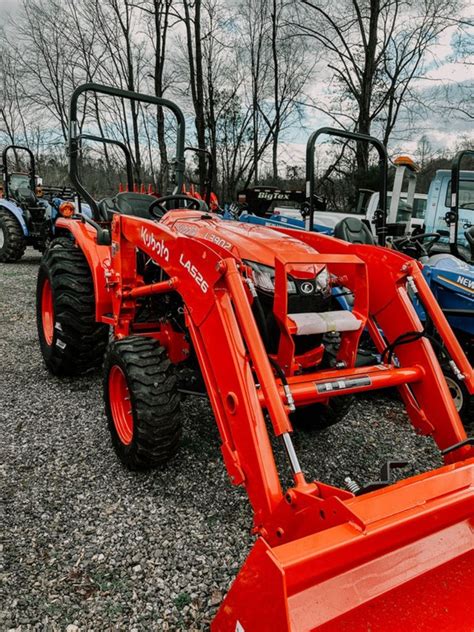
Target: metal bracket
{"x": 385, "y": 477}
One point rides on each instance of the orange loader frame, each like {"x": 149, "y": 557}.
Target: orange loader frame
{"x": 314, "y": 538}
{"x": 397, "y": 558}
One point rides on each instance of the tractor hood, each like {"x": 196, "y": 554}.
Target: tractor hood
{"x": 245, "y": 241}
{"x": 450, "y": 263}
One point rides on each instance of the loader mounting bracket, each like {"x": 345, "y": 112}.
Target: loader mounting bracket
{"x": 385, "y": 477}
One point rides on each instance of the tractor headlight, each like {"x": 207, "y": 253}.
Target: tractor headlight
{"x": 67, "y": 209}
{"x": 264, "y": 278}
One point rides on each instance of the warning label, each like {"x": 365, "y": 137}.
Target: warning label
{"x": 340, "y": 385}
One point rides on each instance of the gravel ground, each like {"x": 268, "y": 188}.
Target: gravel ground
{"x": 90, "y": 546}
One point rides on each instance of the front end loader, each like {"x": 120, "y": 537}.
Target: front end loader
{"x": 182, "y": 289}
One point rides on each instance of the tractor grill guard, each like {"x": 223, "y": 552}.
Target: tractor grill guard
{"x": 320, "y": 548}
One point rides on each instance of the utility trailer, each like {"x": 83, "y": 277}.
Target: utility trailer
{"x": 183, "y": 287}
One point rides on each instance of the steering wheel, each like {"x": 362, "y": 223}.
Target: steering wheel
{"x": 416, "y": 241}
{"x": 193, "y": 203}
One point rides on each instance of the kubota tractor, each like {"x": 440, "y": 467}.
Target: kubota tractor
{"x": 249, "y": 308}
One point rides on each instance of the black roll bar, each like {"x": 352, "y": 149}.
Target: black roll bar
{"x": 74, "y": 135}
{"x": 117, "y": 143}
{"x": 452, "y": 216}
{"x": 381, "y": 213}
{"x": 31, "y": 170}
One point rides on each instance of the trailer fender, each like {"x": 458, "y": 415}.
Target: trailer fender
{"x": 17, "y": 213}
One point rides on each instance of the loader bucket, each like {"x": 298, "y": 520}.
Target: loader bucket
{"x": 406, "y": 562}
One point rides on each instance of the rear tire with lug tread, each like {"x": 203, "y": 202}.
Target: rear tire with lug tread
{"x": 71, "y": 340}
{"x": 463, "y": 400}
{"x": 12, "y": 239}
{"x": 142, "y": 402}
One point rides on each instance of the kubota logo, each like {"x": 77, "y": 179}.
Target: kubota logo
{"x": 157, "y": 246}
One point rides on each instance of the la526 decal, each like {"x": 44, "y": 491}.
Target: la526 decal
{"x": 194, "y": 272}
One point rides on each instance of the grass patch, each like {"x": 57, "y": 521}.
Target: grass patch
{"x": 182, "y": 600}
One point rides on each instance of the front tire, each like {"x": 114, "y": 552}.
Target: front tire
{"x": 71, "y": 340}
{"x": 12, "y": 240}
{"x": 142, "y": 402}
{"x": 463, "y": 400}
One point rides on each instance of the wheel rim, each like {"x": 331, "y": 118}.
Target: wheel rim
{"x": 47, "y": 312}
{"x": 2, "y": 237}
{"x": 456, "y": 392}
{"x": 120, "y": 405}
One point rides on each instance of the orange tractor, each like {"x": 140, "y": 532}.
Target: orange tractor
{"x": 249, "y": 309}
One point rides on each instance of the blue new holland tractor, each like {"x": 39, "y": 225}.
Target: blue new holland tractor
{"x": 25, "y": 216}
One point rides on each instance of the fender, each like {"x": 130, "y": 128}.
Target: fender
{"x": 17, "y": 212}
{"x": 98, "y": 258}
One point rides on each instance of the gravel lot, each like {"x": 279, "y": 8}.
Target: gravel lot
{"x": 90, "y": 546}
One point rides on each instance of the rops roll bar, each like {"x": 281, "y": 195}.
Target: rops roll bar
{"x": 452, "y": 216}
{"x": 117, "y": 143}
{"x": 31, "y": 170}
{"x": 381, "y": 213}
{"x": 75, "y": 136}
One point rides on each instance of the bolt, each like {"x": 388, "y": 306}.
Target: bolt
{"x": 351, "y": 485}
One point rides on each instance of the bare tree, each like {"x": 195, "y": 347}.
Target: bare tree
{"x": 13, "y": 126}
{"x": 191, "y": 16}
{"x": 375, "y": 49}
{"x": 291, "y": 71}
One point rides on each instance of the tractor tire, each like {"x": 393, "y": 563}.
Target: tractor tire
{"x": 71, "y": 341}
{"x": 319, "y": 416}
{"x": 12, "y": 240}
{"x": 142, "y": 402}
{"x": 463, "y": 401}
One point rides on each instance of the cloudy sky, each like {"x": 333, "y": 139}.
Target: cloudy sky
{"x": 442, "y": 70}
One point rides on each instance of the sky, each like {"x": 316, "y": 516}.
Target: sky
{"x": 442, "y": 70}
{"x": 7, "y": 6}
{"x": 442, "y": 133}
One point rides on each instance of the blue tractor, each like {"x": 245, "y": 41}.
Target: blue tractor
{"x": 28, "y": 210}
{"x": 447, "y": 255}
{"x": 25, "y": 216}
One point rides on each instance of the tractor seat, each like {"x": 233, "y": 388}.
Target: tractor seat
{"x": 354, "y": 231}
{"x": 26, "y": 196}
{"x": 136, "y": 204}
